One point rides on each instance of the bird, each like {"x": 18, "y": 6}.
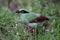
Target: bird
{"x": 31, "y": 19}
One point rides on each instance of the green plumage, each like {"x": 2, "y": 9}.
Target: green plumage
{"x": 28, "y": 17}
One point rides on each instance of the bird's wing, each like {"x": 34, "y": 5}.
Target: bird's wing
{"x": 28, "y": 16}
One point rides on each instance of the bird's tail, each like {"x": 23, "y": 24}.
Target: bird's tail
{"x": 52, "y": 17}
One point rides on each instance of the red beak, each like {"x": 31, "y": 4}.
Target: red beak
{"x": 17, "y": 11}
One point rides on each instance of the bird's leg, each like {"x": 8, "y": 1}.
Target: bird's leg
{"x": 32, "y": 30}
{"x": 26, "y": 33}
{"x": 26, "y": 36}
{"x": 47, "y": 26}
{"x": 34, "y": 34}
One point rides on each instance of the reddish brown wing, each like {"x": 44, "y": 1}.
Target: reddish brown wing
{"x": 39, "y": 19}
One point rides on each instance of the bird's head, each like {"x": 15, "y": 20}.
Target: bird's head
{"x": 22, "y": 11}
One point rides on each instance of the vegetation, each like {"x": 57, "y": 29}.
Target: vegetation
{"x": 12, "y": 29}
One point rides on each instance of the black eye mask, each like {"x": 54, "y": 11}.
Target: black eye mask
{"x": 22, "y": 11}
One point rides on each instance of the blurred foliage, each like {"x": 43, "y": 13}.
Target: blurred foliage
{"x": 9, "y": 28}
